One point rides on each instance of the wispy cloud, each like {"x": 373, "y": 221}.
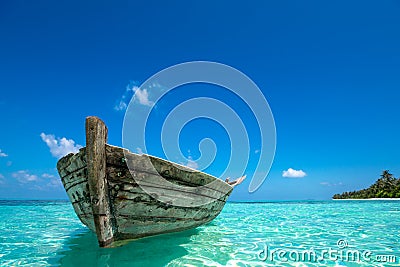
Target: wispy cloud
{"x": 122, "y": 104}
{"x": 139, "y": 150}
{"x": 60, "y": 147}
{"x": 49, "y": 176}
{"x": 25, "y": 177}
{"x": 291, "y": 173}
{"x": 2, "y": 154}
{"x": 191, "y": 163}
{"x": 50, "y": 181}
{"x": 42, "y": 182}
{"x": 2, "y": 179}
{"x": 331, "y": 184}
{"x": 143, "y": 97}
{"x": 139, "y": 95}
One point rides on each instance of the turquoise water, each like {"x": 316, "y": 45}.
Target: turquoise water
{"x": 48, "y": 233}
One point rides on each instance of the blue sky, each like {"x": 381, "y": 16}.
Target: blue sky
{"x": 329, "y": 70}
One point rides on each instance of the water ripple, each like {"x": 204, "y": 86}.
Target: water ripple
{"x": 49, "y": 234}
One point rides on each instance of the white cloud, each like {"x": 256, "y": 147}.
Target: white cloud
{"x": 121, "y": 105}
{"x": 42, "y": 182}
{"x": 2, "y": 179}
{"x": 49, "y": 176}
{"x": 60, "y": 147}
{"x": 191, "y": 163}
{"x": 142, "y": 96}
{"x": 139, "y": 150}
{"x": 51, "y": 181}
{"x": 2, "y": 154}
{"x": 25, "y": 177}
{"x": 331, "y": 184}
{"x": 291, "y": 173}
{"x": 54, "y": 183}
{"x": 256, "y": 151}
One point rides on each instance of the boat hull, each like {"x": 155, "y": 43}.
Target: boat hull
{"x": 131, "y": 211}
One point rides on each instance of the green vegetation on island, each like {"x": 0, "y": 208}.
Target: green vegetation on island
{"x": 387, "y": 186}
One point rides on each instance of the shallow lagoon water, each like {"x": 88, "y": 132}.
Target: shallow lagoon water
{"x": 48, "y": 233}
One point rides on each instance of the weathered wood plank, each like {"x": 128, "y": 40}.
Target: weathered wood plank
{"x": 137, "y": 229}
{"x": 168, "y": 170}
{"x": 178, "y": 196}
{"x": 165, "y": 180}
{"x": 96, "y": 138}
{"x": 137, "y": 202}
{"x": 71, "y": 162}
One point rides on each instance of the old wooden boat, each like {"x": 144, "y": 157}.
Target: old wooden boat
{"x": 118, "y": 195}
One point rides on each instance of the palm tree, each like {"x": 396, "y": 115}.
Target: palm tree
{"x": 388, "y": 181}
{"x": 385, "y": 186}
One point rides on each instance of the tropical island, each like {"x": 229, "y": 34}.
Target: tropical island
{"x": 387, "y": 186}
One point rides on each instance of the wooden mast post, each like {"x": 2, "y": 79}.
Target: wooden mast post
{"x": 96, "y": 139}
